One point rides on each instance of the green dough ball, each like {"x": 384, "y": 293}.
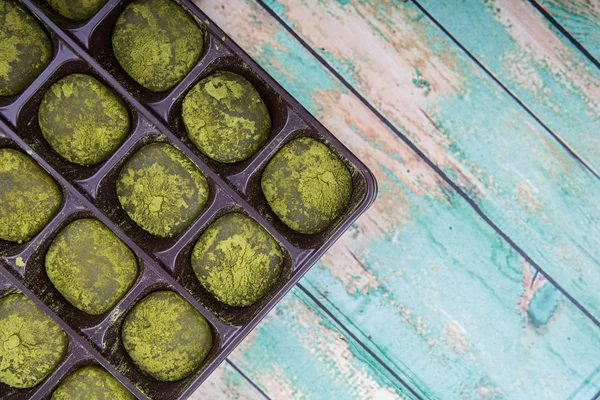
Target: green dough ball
{"x": 32, "y": 343}
{"x": 237, "y": 260}
{"x": 91, "y": 383}
{"x": 165, "y": 336}
{"x": 226, "y": 118}
{"x": 78, "y": 10}
{"x": 83, "y": 120}
{"x": 157, "y": 43}
{"x": 90, "y": 266}
{"x": 307, "y": 185}
{"x": 25, "y": 49}
{"x": 162, "y": 190}
{"x": 29, "y": 198}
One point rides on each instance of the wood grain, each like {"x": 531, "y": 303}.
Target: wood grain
{"x": 535, "y": 62}
{"x": 296, "y": 352}
{"x": 422, "y": 281}
{"x": 516, "y": 173}
{"x": 581, "y": 18}
{"x": 227, "y": 383}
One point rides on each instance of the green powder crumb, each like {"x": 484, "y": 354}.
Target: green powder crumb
{"x": 307, "y": 185}
{"x": 25, "y": 49}
{"x": 90, "y": 266}
{"x": 31, "y": 344}
{"x": 20, "y": 263}
{"x": 78, "y": 10}
{"x": 91, "y": 383}
{"x": 157, "y": 43}
{"x": 165, "y": 336}
{"x": 29, "y": 198}
{"x": 162, "y": 190}
{"x": 83, "y": 120}
{"x": 226, "y": 118}
{"x": 237, "y": 260}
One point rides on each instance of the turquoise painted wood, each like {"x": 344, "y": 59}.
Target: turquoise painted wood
{"x": 553, "y": 79}
{"x": 581, "y": 18}
{"x": 424, "y": 283}
{"x": 227, "y": 382}
{"x": 518, "y": 175}
{"x": 297, "y": 353}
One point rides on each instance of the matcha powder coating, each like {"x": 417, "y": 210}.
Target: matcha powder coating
{"x": 237, "y": 260}
{"x": 226, "y": 118}
{"x": 157, "y": 43}
{"x": 165, "y": 336}
{"x": 162, "y": 190}
{"x": 32, "y": 344}
{"x": 25, "y": 49}
{"x": 91, "y": 383}
{"x": 90, "y": 266}
{"x": 307, "y": 185}
{"x": 29, "y": 197}
{"x": 83, "y": 120}
{"x": 78, "y": 10}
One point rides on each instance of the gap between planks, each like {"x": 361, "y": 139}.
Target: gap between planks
{"x": 565, "y": 33}
{"x": 429, "y": 162}
{"x": 489, "y": 73}
{"x": 330, "y": 71}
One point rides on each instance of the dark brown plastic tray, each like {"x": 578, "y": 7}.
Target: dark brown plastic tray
{"x": 164, "y": 263}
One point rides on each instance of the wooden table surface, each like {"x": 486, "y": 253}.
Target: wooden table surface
{"x": 476, "y": 273}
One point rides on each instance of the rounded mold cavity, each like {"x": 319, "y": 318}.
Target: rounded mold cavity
{"x": 108, "y": 202}
{"x": 64, "y": 22}
{"x": 29, "y": 130}
{"x": 114, "y": 351}
{"x": 15, "y": 253}
{"x": 9, "y": 103}
{"x": 99, "y": 45}
{"x": 171, "y": 111}
{"x": 84, "y": 360}
{"x": 256, "y": 197}
{"x": 181, "y": 269}
{"x": 74, "y": 352}
{"x": 37, "y": 280}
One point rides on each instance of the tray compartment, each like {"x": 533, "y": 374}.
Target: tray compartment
{"x": 91, "y": 192}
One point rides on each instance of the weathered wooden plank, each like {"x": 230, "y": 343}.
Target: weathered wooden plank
{"x": 298, "y": 353}
{"x": 547, "y": 73}
{"x": 226, "y": 383}
{"x": 581, "y": 18}
{"x": 421, "y": 280}
{"x": 516, "y": 173}
{"x": 295, "y": 353}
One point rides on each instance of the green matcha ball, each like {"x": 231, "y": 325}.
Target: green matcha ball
{"x": 78, "y": 10}
{"x": 90, "y": 266}
{"x": 307, "y": 185}
{"x": 157, "y": 43}
{"x": 226, "y": 118}
{"x": 165, "y": 336}
{"x": 32, "y": 343}
{"x": 25, "y": 49}
{"x": 237, "y": 260}
{"x": 83, "y": 120}
{"x": 91, "y": 383}
{"x": 29, "y": 197}
{"x": 162, "y": 190}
